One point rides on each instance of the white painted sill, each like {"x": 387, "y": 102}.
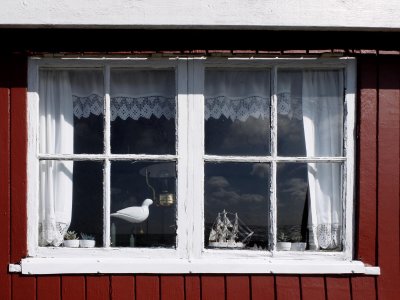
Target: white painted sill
{"x": 92, "y": 265}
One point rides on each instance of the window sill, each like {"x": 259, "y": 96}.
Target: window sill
{"x": 183, "y": 266}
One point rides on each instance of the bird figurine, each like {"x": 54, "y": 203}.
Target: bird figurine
{"x": 134, "y": 214}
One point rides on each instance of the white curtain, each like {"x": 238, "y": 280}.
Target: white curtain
{"x": 56, "y": 137}
{"x": 322, "y": 104}
{"x": 237, "y": 95}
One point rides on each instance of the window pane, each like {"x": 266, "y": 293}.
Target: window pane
{"x": 237, "y": 112}
{"x": 309, "y": 206}
{"x": 310, "y": 113}
{"x": 236, "y": 189}
{"x": 143, "y": 110}
{"x": 71, "y": 111}
{"x": 71, "y": 198}
{"x": 136, "y": 222}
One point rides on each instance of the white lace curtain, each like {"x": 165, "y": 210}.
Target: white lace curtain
{"x": 56, "y": 136}
{"x": 316, "y": 98}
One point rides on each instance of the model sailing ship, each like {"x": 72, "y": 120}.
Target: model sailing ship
{"x": 224, "y": 234}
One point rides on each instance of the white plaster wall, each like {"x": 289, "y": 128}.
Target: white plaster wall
{"x": 268, "y": 14}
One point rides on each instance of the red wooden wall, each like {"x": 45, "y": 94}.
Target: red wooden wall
{"x": 377, "y": 241}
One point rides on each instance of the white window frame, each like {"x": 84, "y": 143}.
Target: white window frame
{"x": 190, "y": 256}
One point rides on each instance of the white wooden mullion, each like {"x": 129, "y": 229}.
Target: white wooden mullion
{"x": 33, "y": 164}
{"x": 183, "y": 196}
{"x": 196, "y": 162}
{"x": 79, "y": 157}
{"x": 107, "y": 163}
{"x": 349, "y": 152}
{"x": 274, "y": 152}
{"x": 220, "y": 158}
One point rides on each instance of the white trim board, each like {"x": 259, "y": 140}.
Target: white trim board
{"x": 240, "y": 14}
{"x": 32, "y": 266}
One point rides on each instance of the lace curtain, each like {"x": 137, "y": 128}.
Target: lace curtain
{"x": 322, "y": 120}
{"x": 56, "y": 136}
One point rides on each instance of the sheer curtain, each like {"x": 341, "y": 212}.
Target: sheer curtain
{"x": 323, "y": 129}
{"x": 237, "y": 94}
{"x": 56, "y": 136}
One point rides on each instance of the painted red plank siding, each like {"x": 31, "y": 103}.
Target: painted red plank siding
{"x": 5, "y": 279}
{"x": 379, "y": 78}
{"x": 192, "y": 287}
{"x": 147, "y": 287}
{"x": 122, "y": 287}
{"x": 172, "y": 287}
{"x": 97, "y": 287}
{"x": 23, "y": 287}
{"x": 73, "y": 287}
{"x": 312, "y": 287}
{"x": 18, "y": 157}
{"x": 363, "y": 288}
{"x": 388, "y": 178}
{"x": 262, "y": 287}
{"x": 338, "y": 288}
{"x": 367, "y": 82}
{"x": 287, "y": 287}
{"x": 212, "y": 287}
{"x": 48, "y": 287}
{"x": 238, "y": 287}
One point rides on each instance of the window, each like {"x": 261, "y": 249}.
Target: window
{"x": 192, "y": 159}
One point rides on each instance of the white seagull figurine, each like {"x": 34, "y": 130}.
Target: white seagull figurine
{"x": 134, "y": 214}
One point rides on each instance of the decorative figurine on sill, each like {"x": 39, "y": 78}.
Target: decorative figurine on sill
{"x": 134, "y": 214}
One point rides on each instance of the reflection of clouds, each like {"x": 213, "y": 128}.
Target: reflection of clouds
{"x": 217, "y": 182}
{"x": 220, "y": 191}
{"x": 253, "y": 132}
{"x": 295, "y": 188}
{"x": 260, "y": 170}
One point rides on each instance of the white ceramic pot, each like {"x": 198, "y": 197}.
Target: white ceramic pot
{"x": 283, "y": 246}
{"x": 87, "y": 243}
{"x": 298, "y": 246}
{"x": 71, "y": 243}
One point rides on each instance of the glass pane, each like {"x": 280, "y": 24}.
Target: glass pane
{"x": 136, "y": 222}
{"x": 236, "y": 205}
{"x": 310, "y": 113}
{"x": 143, "y": 110}
{"x": 309, "y": 206}
{"x": 71, "y": 111}
{"x": 237, "y": 112}
{"x": 71, "y": 198}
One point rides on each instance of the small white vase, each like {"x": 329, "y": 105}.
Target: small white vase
{"x": 283, "y": 246}
{"x": 298, "y": 246}
{"x": 87, "y": 243}
{"x": 71, "y": 243}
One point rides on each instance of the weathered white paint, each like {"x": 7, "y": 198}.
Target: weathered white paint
{"x": 182, "y": 266}
{"x": 190, "y": 255}
{"x": 267, "y": 14}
